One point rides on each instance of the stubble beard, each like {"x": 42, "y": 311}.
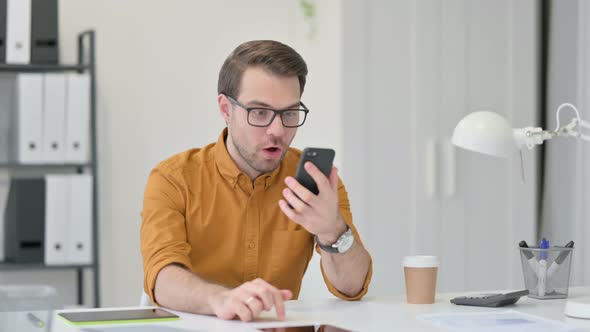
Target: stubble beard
{"x": 251, "y": 159}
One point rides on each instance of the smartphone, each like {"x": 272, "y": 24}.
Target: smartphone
{"x": 116, "y": 316}
{"x": 322, "y": 158}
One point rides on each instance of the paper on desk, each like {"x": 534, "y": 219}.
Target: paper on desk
{"x": 503, "y": 321}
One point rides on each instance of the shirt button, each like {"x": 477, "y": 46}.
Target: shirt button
{"x": 252, "y": 245}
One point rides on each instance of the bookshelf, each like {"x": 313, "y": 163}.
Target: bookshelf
{"x": 86, "y": 64}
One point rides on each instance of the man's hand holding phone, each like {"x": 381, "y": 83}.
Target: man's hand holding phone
{"x": 318, "y": 214}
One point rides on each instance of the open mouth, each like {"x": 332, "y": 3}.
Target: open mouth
{"x": 272, "y": 152}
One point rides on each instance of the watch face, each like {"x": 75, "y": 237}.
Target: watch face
{"x": 346, "y": 242}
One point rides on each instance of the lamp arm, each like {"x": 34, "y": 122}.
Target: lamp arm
{"x": 531, "y": 136}
{"x": 572, "y": 129}
{"x": 585, "y": 125}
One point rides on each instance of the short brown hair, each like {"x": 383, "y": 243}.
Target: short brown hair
{"x": 276, "y": 57}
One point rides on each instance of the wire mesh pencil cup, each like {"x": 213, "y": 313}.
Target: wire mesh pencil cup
{"x": 546, "y": 271}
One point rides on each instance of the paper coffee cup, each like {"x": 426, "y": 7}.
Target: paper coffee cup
{"x": 420, "y": 273}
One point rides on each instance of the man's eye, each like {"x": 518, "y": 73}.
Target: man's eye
{"x": 258, "y": 112}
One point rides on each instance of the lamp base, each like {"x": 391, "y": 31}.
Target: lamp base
{"x": 578, "y": 308}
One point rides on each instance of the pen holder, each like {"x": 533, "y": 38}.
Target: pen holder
{"x": 546, "y": 271}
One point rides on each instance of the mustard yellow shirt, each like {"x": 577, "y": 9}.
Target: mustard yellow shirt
{"x": 202, "y": 212}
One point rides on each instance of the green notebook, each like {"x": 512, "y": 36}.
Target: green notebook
{"x": 78, "y": 318}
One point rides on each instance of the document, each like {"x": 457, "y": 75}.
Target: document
{"x": 500, "y": 321}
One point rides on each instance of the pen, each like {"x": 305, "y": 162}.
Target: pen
{"x": 542, "y": 272}
{"x": 529, "y": 256}
{"x": 35, "y": 320}
{"x": 557, "y": 263}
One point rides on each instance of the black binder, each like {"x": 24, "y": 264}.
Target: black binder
{"x": 3, "y": 22}
{"x": 44, "y": 32}
{"x": 24, "y": 237}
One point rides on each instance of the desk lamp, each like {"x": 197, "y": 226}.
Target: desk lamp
{"x": 490, "y": 133}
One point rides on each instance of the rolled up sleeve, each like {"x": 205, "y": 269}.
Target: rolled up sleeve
{"x": 344, "y": 207}
{"x": 163, "y": 228}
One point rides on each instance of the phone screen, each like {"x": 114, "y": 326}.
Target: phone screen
{"x": 116, "y": 316}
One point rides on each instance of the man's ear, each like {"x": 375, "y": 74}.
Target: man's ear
{"x": 225, "y": 107}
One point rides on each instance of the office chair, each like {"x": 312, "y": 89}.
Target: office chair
{"x": 144, "y": 300}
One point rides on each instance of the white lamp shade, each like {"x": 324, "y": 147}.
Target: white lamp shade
{"x": 485, "y": 132}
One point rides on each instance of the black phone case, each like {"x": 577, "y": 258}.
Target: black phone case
{"x": 322, "y": 158}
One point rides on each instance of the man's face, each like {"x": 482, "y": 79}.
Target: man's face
{"x": 259, "y": 150}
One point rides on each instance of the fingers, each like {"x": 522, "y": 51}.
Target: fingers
{"x": 243, "y": 312}
{"x": 279, "y": 305}
{"x": 290, "y": 212}
{"x": 295, "y": 201}
{"x": 264, "y": 290}
{"x": 320, "y": 179}
{"x": 303, "y": 194}
{"x": 287, "y": 294}
{"x": 250, "y": 299}
{"x": 255, "y": 305}
{"x": 334, "y": 178}
{"x": 271, "y": 293}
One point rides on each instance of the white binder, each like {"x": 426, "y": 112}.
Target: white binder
{"x": 78, "y": 118}
{"x": 18, "y": 31}
{"x": 54, "y": 117}
{"x": 80, "y": 220}
{"x": 29, "y": 105}
{"x": 56, "y": 219}
{"x": 7, "y": 116}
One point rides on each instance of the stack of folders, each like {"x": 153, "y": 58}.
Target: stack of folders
{"x": 68, "y": 219}
{"x": 44, "y": 118}
{"x": 29, "y": 31}
{"x": 49, "y": 220}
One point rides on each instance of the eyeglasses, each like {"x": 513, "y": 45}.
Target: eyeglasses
{"x": 263, "y": 117}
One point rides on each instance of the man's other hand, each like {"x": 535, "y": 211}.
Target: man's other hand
{"x": 248, "y": 300}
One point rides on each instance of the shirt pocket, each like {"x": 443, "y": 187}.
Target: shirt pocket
{"x": 291, "y": 252}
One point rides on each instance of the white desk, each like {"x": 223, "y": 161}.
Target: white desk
{"x": 370, "y": 314}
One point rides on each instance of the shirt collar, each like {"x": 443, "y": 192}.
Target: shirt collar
{"x": 228, "y": 168}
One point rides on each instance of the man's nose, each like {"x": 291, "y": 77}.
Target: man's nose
{"x": 276, "y": 127}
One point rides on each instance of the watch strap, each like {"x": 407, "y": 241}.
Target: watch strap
{"x": 333, "y": 248}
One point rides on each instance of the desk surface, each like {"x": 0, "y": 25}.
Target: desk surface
{"x": 370, "y": 314}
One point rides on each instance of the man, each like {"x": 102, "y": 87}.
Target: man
{"x": 226, "y": 229}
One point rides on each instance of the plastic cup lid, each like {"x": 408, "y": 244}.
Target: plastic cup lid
{"x": 421, "y": 261}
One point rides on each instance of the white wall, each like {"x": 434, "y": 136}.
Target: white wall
{"x": 415, "y": 68}
{"x": 157, "y": 65}
{"x": 565, "y": 194}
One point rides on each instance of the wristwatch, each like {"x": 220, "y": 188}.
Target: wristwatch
{"x": 341, "y": 245}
